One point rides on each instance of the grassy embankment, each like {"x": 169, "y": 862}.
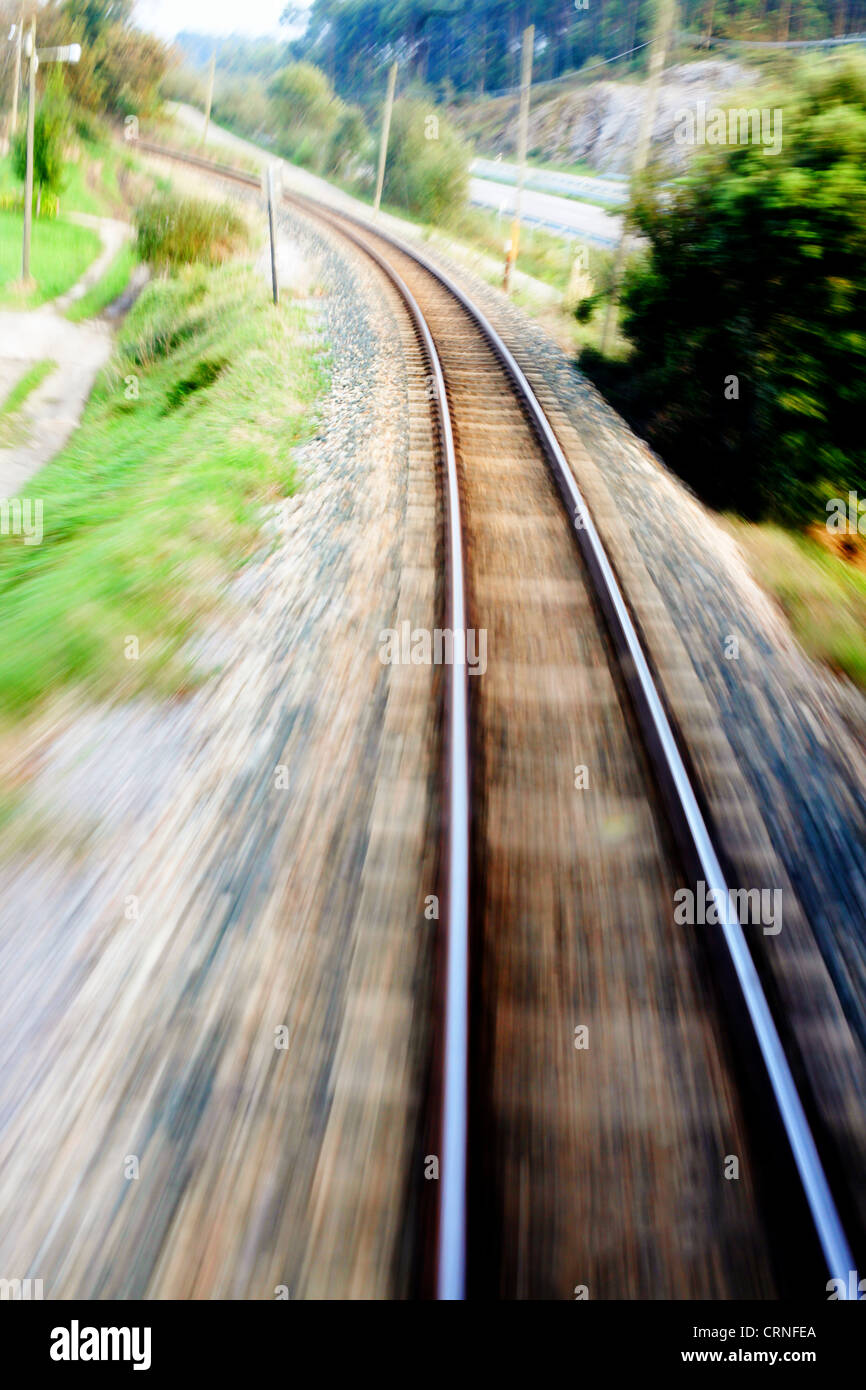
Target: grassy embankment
{"x": 101, "y": 180}
{"x": 159, "y": 494}
{"x": 822, "y": 594}
{"x": 60, "y": 254}
{"x": 12, "y": 427}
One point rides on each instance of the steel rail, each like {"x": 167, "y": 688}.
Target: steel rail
{"x": 451, "y": 1233}
{"x": 667, "y": 762}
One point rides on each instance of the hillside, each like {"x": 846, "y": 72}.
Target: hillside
{"x": 596, "y": 123}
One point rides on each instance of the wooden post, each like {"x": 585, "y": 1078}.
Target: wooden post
{"x": 522, "y": 129}
{"x": 28, "y": 182}
{"x": 13, "y": 119}
{"x": 274, "y": 282}
{"x": 661, "y": 37}
{"x": 386, "y": 130}
{"x": 209, "y": 97}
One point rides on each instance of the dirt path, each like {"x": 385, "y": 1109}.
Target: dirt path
{"x": 53, "y": 410}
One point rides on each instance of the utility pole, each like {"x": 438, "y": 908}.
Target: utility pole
{"x": 209, "y": 103}
{"x": 665, "y": 12}
{"x": 522, "y": 131}
{"x": 28, "y": 182}
{"x": 386, "y": 130}
{"x": 13, "y": 120}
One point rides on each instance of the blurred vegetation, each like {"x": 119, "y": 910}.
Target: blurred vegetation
{"x": 756, "y": 269}
{"x": 51, "y": 128}
{"x": 159, "y": 494}
{"x": 822, "y": 593}
{"x": 173, "y": 230}
{"x": 120, "y": 68}
{"x": 60, "y": 254}
{"x": 474, "y": 49}
{"x": 13, "y": 429}
{"x": 427, "y": 171}
{"x": 107, "y": 289}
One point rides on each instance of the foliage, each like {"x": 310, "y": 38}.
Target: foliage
{"x": 158, "y": 497}
{"x": 120, "y": 69}
{"x": 454, "y": 45}
{"x": 59, "y": 255}
{"x": 48, "y": 205}
{"x": 311, "y": 125}
{"x": 173, "y": 231}
{"x": 302, "y": 96}
{"x": 50, "y": 131}
{"x": 756, "y": 269}
{"x": 350, "y": 143}
{"x": 95, "y": 16}
{"x": 107, "y": 289}
{"x": 427, "y": 170}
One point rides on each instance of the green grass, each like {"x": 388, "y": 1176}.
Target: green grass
{"x": 156, "y": 500}
{"x": 822, "y": 594}
{"x": 91, "y": 180}
{"x": 108, "y": 288}
{"x": 12, "y": 429}
{"x": 541, "y": 254}
{"x": 60, "y": 254}
{"x": 33, "y": 377}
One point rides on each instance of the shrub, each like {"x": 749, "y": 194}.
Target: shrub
{"x": 46, "y": 206}
{"x": 174, "y": 231}
{"x": 427, "y": 170}
{"x": 50, "y": 130}
{"x": 350, "y": 143}
{"x": 756, "y": 270}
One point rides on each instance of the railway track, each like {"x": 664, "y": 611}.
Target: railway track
{"x": 617, "y": 1116}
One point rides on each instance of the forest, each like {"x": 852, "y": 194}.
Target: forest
{"x": 469, "y": 48}
{"x": 472, "y": 47}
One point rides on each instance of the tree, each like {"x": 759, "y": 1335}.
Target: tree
{"x": 301, "y": 94}
{"x": 95, "y": 16}
{"x": 120, "y": 68}
{"x": 428, "y": 164}
{"x": 756, "y": 269}
{"x": 306, "y": 113}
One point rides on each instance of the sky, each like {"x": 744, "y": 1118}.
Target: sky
{"x": 168, "y": 17}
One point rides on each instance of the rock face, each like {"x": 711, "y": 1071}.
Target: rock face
{"x": 599, "y": 124}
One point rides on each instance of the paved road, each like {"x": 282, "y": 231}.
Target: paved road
{"x": 613, "y": 191}
{"x": 562, "y": 215}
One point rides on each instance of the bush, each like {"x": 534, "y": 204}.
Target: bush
{"x": 51, "y": 127}
{"x": 313, "y": 126}
{"x": 427, "y": 170}
{"x": 48, "y": 205}
{"x": 756, "y": 270}
{"x": 174, "y": 231}
{"x": 302, "y": 95}
{"x": 351, "y": 145}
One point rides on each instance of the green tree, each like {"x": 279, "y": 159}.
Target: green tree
{"x": 302, "y": 96}
{"x": 95, "y": 16}
{"x": 428, "y": 164}
{"x": 756, "y": 270}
